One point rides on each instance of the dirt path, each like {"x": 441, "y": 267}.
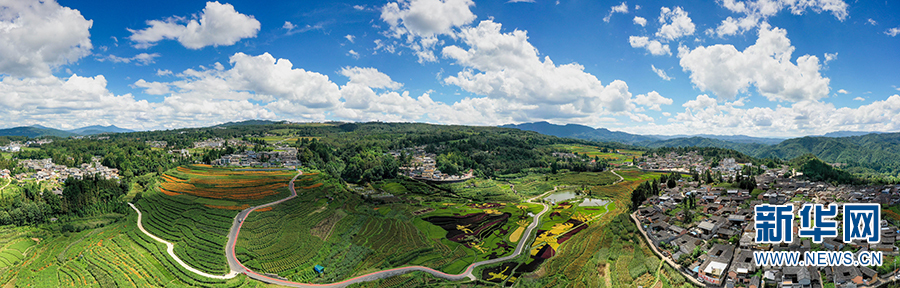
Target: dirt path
{"x": 170, "y": 248}
{"x": 667, "y": 259}
{"x": 617, "y": 174}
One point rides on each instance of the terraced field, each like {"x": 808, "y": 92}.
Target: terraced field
{"x": 196, "y": 205}
{"x": 116, "y": 255}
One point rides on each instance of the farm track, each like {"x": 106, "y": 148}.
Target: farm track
{"x": 236, "y": 266}
{"x": 170, "y": 248}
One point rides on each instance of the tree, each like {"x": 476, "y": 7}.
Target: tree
{"x": 670, "y": 183}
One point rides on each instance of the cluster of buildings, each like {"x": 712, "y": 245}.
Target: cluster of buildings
{"x": 687, "y": 163}
{"x": 722, "y": 226}
{"x": 16, "y": 146}
{"x": 219, "y": 143}
{"x": 157, "y": 144}
{"x": 422, "y": 165}
{"x": 281, "y": 157}
{"x": 44, "y": 169}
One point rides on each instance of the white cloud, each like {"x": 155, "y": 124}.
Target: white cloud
{"x": 353, "y": 54}
{"x": 842, "y": 91}
{"x": 369, "y": 77}
{"x": 520, "y": 1}
{"x": 288, "y": 26}
{"x": 667, "y": 114}
{"x": 153, "y": 88}
{"x": 829, "y": 57}
{"x": 218, "y": 25}
{"x": 872, "y": 22}
{"x": 675, "y": 23}
{"x": 163, "y": 72}
{"x": 859, "y": 99}
{"x": 350, "y": 38}
{"x": 359, "y": 7}
{"x": 79, "y": 101}
{"x": 141, "y": 59}
{"x": 39, "y": 36}
{"x": 640, "y": 21}
{"x": 653, "y": 46}
{"x": 758, "y": 11}
{"x": 652, "y": 100}
{"x": 621, "y": 8}
{"x": 766, "y": 64}
{"x": 506, "y": 67}
{"x": 801, "y": 118}
{"x": 421, "y": 21}
{"x": 893, "y": 31}
{"x": 427, "y": 17}
{"x": 662, "y": 73}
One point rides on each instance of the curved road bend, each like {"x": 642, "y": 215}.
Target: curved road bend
{"x": 170, "y": 248}
{"x": 237, "y": 267}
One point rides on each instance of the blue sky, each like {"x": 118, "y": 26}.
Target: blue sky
{"x": 760, "y": 68}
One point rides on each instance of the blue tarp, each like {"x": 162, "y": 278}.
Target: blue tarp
{"x": 319, "y": 269}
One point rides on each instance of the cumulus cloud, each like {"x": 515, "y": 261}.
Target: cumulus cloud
{"x": 369, "y": 77}
{"x": 893, "y": 31}
{"x": 350, "y": 38}
{"x": 652, "y": 100}
{"x": 675, "y": 23}
{"x": 218, "y": 25}
{"x": 621, "y": 8}
{"x": 520, "y": 1}
{"x": 427, "y": 17}
{"x": 802, "y": 118}
{"x": 653, "y": 46}
{"x": 78, "y": 100}
{"x": 758, "y": 11}
{"x": 163, "y": 72}
{"x": 353, "y": 54}
{"x": 859, "y": 99}
{"x": 872, "y": 22}
{"x": 422, "y": 21}
{"x": 662, "y": 73}
{"x": 506, "y": 67}
{"x": 829, "y": 57}
{"x": 153, "y": 88}
{"x": 139, "y": 59}
{"x": 38, "y": 36}
{"x": 842, "y": 91}
{"x": 640, "y": 21}
{"x": 766, "y": 64}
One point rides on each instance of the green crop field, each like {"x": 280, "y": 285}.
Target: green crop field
{"x": 117, "y": 255}
{"x": 618, "y": 156}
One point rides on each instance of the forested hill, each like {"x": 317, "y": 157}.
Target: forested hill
{"x": 872, "y": 153}
{"x": 581, "y": 132}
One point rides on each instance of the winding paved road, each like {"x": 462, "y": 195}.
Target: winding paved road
{"x": 237, "y": 267}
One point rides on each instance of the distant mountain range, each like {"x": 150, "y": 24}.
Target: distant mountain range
{"x": 858, "y": 151}
{"x": 605, "y": 135}
{"x": 248, "y": 122}
{"x": 39, "y": 131}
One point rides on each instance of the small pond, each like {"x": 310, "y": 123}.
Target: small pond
{"x": 594, "y": 202}
{"x": 561, "y": 196}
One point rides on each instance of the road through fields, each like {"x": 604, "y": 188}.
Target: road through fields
{"x": 236, "y": 266}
